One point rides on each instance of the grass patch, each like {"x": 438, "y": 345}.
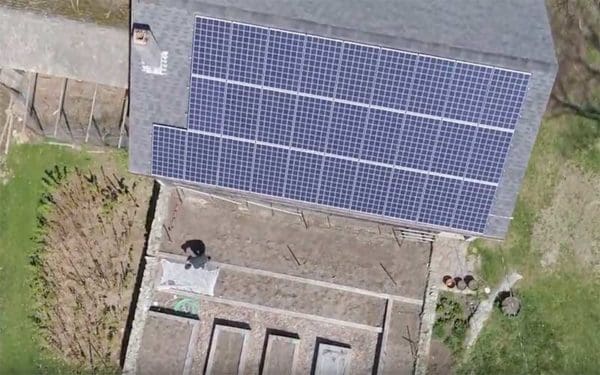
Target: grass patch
{"x": 555, "y": 332}
{"x": 581, "y": 142}
{"x": 19, "y": 344}
{"x": 21, "y": 351}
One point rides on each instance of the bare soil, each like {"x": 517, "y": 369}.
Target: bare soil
{"x": 347, "y": 252}
{"x": 93, "y": 235}
{"x": 440, "y": 359}
{"x": 72, "y": 127}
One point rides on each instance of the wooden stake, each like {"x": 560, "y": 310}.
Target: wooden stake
{"x": 28, "y": 99}
{"x": 87, "y": 132}
{"x": 123, "y": 118}
{"x": 61, "y": 103}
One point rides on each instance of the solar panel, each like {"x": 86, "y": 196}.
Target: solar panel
{"x": 372, "y": 182}
{"x": 283, "y": 61}
{"x": 247, "y": 53}
{"x": 270, "y": 165}
{"x": 235, "y": 164}
{"x": 303, "y": 175}
{"x": 430, "y": 85}
{"x": 404, "y": 194}
{"x": 439, "y": 200}
{"x": 276, "y": 120}
{"x": 488, "y": 154}
{"x": 356, "y": 71}
{"x": 346, "y": 129}
{"x": 202, "y": 155}
{"x": 475, "y": 201}
{"x": 393, "y": 79}
{"x": 417, "y": 137}
{"x": 320, "y": 66}
{"x": 313, "y": 117}
{"x": 168, "y": 151}
{"x": 336, "y": 182}
{"x": 207, "y": 99}
{"x": 342, "y": 124}
{"x": 241, "y": 111}
{"x": 382, "y": 135}
{"x": 211, "y": 48}
{"x": 452, "y": 148}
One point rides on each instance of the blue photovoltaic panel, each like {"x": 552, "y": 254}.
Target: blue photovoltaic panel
{"x": 430, "y": 85}
{"x": 381, "y": 136}
{"x": 346, "y": 129}
{"x": 284, "y": 60}
{"x": 276, "y": 121}
{"x": 452, "y": 148}
{"x": 320, "y": 66}
{"x": 270, "y": 164}
{"x": 371, "y": 188}
{"x": 202, "y": 155}
{"x": 467, "y": 92}
{"x": 356, "y": 70}
{"x": 241, "y": 111}
{"x": 235, "y": 164}
{"x": 304, "y": 171}
{"x": 488, "y": 154}
{"x": 168, "y": 151}
{"x": 211, "y": 47}
{"x": 313, "y": 117}
{"x": 504, "y": 98}
{"x": 417, "y": 137}
{"x": 247, "y": 56}
{"x": 337, "y": 182}
{"x": 475, "y": 201}
{"x": 342, "y": 124}
{"x": 206, "y": 105}
{"x": 439, "y": 200}
{"x": 404, "y": 195}
{"x": 393, "y": 79}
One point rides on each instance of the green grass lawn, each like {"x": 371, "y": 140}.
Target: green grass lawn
{"x": 20, "y": 349}
{"x": 557, "y": 329}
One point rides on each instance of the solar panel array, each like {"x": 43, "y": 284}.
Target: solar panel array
{"x": 351, "y": 126}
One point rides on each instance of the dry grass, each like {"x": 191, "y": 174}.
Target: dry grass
{"x": 91, "y": 237}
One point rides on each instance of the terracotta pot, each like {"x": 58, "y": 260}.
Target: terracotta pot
{"x": 448, "y": 281}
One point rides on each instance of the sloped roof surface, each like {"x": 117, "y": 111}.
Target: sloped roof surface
{"x": 510, "y": 28}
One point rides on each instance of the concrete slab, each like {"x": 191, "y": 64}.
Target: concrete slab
{"x": 164, "y": 345}
{"x": 300, "y": 297}
{"x": 332, "y": 360}
{"x": 280, "y": 355}
{"x": 363, "y": 342}
{"x": 227, "y": 350}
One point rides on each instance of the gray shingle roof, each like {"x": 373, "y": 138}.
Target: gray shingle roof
{"x": 504, "y": 32}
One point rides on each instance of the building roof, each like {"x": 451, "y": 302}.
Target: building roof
{"x": 516, "y": 30}
{"x": 513, "y": 34}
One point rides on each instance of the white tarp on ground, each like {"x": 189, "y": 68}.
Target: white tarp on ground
{"x": 196, "y": 280}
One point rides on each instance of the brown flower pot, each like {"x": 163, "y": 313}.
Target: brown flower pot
{"x": 448, "y": 281}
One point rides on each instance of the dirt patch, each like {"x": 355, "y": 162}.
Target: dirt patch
{"x": 440, "y": 359}
{"x": 569, "y": 227}
{"x": 92, "y": 226}
{"x": 352, "y": 255}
